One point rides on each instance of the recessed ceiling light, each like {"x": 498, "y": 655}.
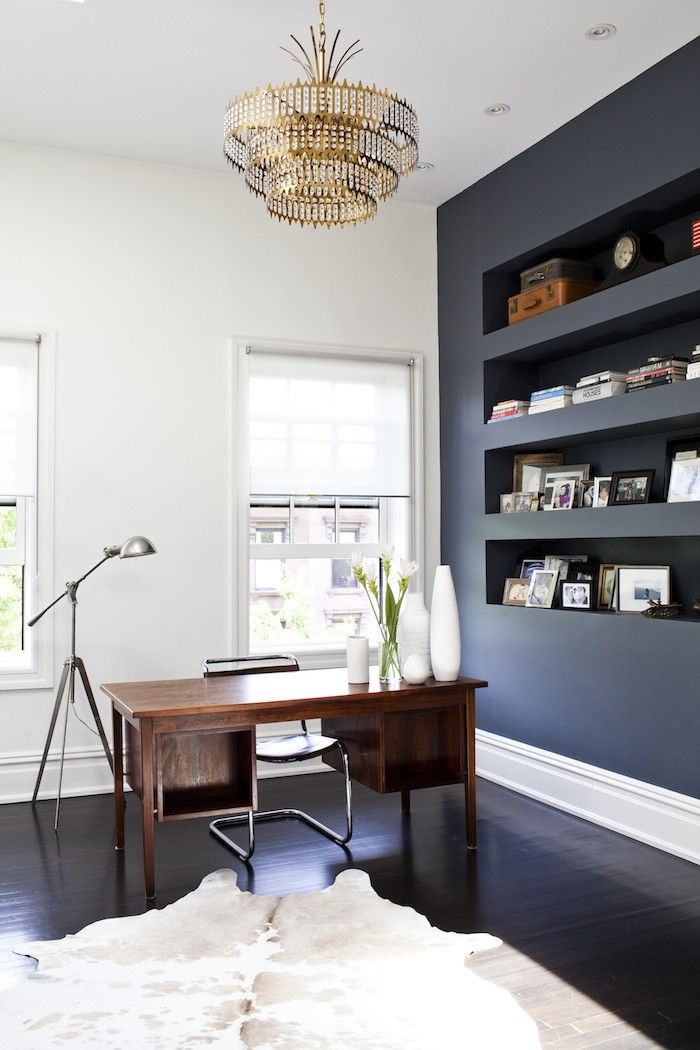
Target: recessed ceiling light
{"x": 600, "y": 31}
{"x": 424, "y": 165}
{"x": 497, "y": 109}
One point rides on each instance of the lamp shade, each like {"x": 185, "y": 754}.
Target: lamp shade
{"x": 136, "y": 547}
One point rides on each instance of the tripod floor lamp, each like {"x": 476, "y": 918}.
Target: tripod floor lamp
{"x": 135, "y": 547}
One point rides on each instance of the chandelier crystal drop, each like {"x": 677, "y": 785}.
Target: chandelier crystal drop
{"x": 320, "y": 151}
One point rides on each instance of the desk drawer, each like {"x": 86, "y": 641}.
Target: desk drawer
{"x": 402, "y": 750}
{"x": 207, "y": 773}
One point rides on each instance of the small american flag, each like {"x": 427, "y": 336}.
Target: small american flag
{"x": 695, "y": 235}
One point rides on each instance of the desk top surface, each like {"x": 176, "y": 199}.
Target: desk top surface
{"x": 276, "y": 692}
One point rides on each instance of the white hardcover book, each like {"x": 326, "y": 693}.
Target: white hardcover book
{"x": 599, "y": 391}
{"x": 548, "y": 406}
{"x": 602, "y": 377}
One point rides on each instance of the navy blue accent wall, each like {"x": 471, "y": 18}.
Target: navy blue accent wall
{"x": 623, "y": 694}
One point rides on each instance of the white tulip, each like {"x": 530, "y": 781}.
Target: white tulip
{"x": 407, "y": 569}
{"x": 371, "y": 572}
{"x": 386, "y": 551}
{"x": 356, "y": 559}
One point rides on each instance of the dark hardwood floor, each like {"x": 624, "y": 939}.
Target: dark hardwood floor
{"x": 601, "y": 934}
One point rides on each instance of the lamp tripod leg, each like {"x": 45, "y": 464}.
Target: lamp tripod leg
{"x": 93, "y": 707}
{"x": 71, "y": 697}
{"x": 52, "y": 726}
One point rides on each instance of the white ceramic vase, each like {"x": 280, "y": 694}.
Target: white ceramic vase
{"x": 414, "y": 630}
{"x": 445, "y": 642}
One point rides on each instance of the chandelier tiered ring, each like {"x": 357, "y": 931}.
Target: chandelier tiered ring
{"x": 321, "y": 151}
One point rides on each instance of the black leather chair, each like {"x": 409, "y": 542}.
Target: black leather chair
{"x": 299, "y": 747}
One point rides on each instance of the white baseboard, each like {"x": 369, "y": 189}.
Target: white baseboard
{"x": 86, "y": 771}
{"x": 661, "y": 818}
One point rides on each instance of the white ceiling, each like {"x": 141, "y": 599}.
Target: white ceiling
{"x": 149, "y": 79}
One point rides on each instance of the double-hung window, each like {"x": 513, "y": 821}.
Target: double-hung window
{"x": 332, "y": 450}
{"x": 24, "y": 655}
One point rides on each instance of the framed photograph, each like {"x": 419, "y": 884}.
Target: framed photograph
{"x": 574, "y": 594}
{"x": 562, "y": 492}
{"x": 525, "y": 502}
{"x": 601, "y": 492}
{"x": 528, "y": 470}
{"x": 554, "y": 563}
{"x": 684, "y": 483}
{"x": 585, "y": 574}
{"x": 529, "y": 566}
{"x": 543, "y": 585}
{"x": 580, "y": 471}
{"x": 607, "y": 586}
{"x": 681, "y": 449}
{"x": 638, "y": 585}
{"x": 630, "y": 486}
{"x": 515, "y": 592}
{"x": 507, "y": 503}
{"x": 586, "y": 490}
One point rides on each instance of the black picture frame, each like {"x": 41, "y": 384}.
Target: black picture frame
{"x": 588, "y": 588}
{"x": 620, "y": 476}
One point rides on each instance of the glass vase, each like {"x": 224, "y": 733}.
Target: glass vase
{"x": 389, "y": 667}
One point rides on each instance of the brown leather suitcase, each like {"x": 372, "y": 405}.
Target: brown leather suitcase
{"x": 547, "y": 297}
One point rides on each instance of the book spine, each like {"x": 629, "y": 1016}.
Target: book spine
{"x": 596, "y": 393}
{"x": 644, "y": 384}
{"x": 661, "y": 374}
{"x": 655, "y": 366}
{"x": 556, "y": 391}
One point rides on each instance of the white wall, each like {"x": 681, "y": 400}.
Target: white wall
{"x": 145, "y": 271}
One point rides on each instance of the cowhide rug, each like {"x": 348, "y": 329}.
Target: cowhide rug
{"x": 339, "y": 969}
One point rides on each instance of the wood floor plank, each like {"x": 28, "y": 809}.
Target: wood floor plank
{"x": 601, "y": 934}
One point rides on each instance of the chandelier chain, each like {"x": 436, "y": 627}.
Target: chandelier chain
{"x": 322, "y": 12}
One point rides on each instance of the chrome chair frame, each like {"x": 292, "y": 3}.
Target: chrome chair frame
{"x": 252, "y": 817}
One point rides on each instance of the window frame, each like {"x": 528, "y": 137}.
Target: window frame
{"x": 35, "y": 670}
{"x": 240, "y": 350}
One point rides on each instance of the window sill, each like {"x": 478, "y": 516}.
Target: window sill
{"x": 15, "y": 678}
{"x": 315, "y": 658}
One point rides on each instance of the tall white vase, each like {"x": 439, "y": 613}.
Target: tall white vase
{"x": 445, "y": 642}
{"x": 414, "y": 629}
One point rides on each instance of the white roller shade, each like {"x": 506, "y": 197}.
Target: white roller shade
{"x": 329, "y": 426}
{"x": 18, "y": 418}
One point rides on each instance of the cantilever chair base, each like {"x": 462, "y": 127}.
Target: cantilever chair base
{"x": 252, "y": 818}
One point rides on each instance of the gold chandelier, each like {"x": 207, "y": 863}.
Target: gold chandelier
{"x": 319, "y": 151}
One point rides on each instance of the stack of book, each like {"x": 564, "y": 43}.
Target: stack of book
{"x": 657, "y": 372}
{"x": 554, "y": 397}
{"x": 509, "y": 410}
{"x": 600, "y": 385}
{"x": 694, "y": 366}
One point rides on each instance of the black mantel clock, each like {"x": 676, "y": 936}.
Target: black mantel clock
{"x": 634, "y": 254}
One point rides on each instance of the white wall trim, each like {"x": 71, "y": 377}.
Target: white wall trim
{"x": 86, "y": 771}
{"x": 661, "y": 818}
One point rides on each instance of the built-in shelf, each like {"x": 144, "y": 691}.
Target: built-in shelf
{"x": 672, "y": 408}
{"x": 646, "y": 520}
{"x": 661, "y": 299}
{"x": 611, "y": 616}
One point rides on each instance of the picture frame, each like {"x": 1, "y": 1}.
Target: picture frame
{"x": 581, "y": 471}
{"x": 630, "y": 487}
{"x": 684, "y": 481}
{"x": 543, "y": 586}
{"x": 679, "y": 448}
{"x": 576, "y": 595}
{"x": 587, "y": 489}
{"x": 555, "y": 563}
{"x": 588, "y": 573}
{"x": 525, "y": 502}
{"x": 638, "y": 585}
{"x": 607, "y": 586}
{"x": 601, "y": 491}
{"x": 507, "y": 503}
{"x": 528, "y": 469}
{"x": 530, "y": 565}
{"x": 515, "y": 591}
{"x": 562, "y": 492}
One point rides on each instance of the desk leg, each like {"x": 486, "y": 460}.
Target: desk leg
{"x": 470, "y": 783}
{"x": 147, "y": 797}
{"x": 118, "y": 778}
{"x": 406, "y": 803}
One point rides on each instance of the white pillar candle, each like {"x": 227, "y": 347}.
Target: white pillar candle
{"x": 358, "y": 659}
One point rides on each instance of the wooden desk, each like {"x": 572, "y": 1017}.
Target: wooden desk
{"x": 190, "y": 744}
